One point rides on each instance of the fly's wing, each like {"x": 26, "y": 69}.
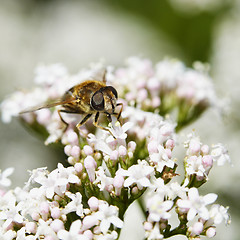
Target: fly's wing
{"x": 48, "y": 105}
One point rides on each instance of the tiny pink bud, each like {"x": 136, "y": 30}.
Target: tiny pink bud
{"x": 170, "y": 144}
{"x": 156, "y": 101}
{"x": 90, "y": 165}
{"x": 31, "y": 227}
{"x": 205, "y": 149}
{"x": 194, "y": 147}
{"x": 211, "y": 232}
{"x": 152, "y": 147}
{"x": 135, "y": 190}
{"x": 89, "y": 222}
{"x": 55, "y": 213}
{"x": 67, "y": 150}
{"x": 197, "y": 228}
{"x": 88, "y": 234}
{"x": 35, "y": 216}
{"x": 118, "y": 182}
{"x": 132, "y": 146}
{"x": 78, "y": 167}
{"x": 147, "y": 226}
{"x": 57, "y": 225}
{"x": 122, "y": 151}
{"x": 44, "y": 207}
{"x": 207, "y": 161}
{"x": 93, "y": 203}
{"x": 87, "y": 150}
{"x": 114, "y": 155}
{"x": 75, "y": 151}
{"x": 72, "y": 137}
{"x": 71, "y": 160}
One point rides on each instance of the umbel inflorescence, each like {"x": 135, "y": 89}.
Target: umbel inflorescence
{"x": 107, "y": 172}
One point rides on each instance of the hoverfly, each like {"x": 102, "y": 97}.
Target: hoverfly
{"x": 90, "y": 97}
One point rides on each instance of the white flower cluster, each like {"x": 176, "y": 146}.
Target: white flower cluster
{"x": 163, "y": 88}
{"x": 52, "y": 211}
{"x": 107, "y": 172}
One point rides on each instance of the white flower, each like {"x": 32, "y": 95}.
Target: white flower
{"x": 108, "y": 215}
{"x": 99, "y": 142}
{"x": 9, "y": 209}
{"x": 196, "y": 204}
{"x": 75, "y": 205}
{"x": 69, "y": 173}
{"x": 218, "y": 214}
{"x": 194, "y": 165}
{"x": 73, "y": 233}
{"x": 139, "y": 174}
{"x": 176, "y": 190}
{"x": 168, "y": 72}
{"x": 161, "y": 159}
{"x": 154, "y": 233}
{"x": 102, "y": 180}
{"x": 45, "y": 229}
{"x": 196, "y": 86}
{"x": 7, "y": 235}
{"x": 53, "y": 183}
{"x": 35, "y": 174}
{"x": 220, "y": 154}
{"x": 4, "y": 181}
{"x": 158, "y": 208}
{"x": 118, "y": 131}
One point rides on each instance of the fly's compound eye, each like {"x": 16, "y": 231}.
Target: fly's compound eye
{"x": 114, "y": 91}
{"x": 97, "y": 101}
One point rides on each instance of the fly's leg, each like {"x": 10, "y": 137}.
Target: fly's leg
{"x": 82, "y": 122}
{"x": 103, "y": 128}
{"x": 120, "y": 112}
{"x": 66, "y": 124}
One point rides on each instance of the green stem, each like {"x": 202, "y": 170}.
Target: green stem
{"x": 142, "y": 206}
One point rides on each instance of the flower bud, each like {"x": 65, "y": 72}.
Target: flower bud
{"x": 57, "y": 225}
{"x": 211, "y": 232}
{"x": 93, "y": 203}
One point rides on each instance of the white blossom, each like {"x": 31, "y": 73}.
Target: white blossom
{"x": 4, "y": 181}
{"x": 75, "y": 205}
{"x": 108, "y": 215}
{"x": 220, "y": 154}
{"x": 53, "y": 183}
{"x": 218, "y": 214}
{"x": 158, "y": 208}
{"x": 139, "y": 174}
{"x": 73, "y": 233}
{"x": 161, "y": 159}
{"x": 154, "y": 233}
{"x": 196, "y": 204}
{"x": 102, "y": 180}
{"x": 10, "y": 210}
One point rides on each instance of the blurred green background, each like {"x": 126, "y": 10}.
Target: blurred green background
{"x": 77, "y": 33}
